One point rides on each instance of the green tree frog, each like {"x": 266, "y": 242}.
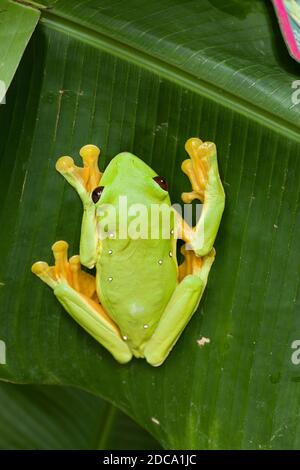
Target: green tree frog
{"x": 140, "y": 300}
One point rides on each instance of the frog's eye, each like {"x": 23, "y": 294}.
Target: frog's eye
{"x": 162, "y": 182}
{"x": 96, "y": 194}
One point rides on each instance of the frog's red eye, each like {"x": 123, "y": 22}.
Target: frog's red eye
{"x": 96, "y": 194}
{"x": 162, "y": 182}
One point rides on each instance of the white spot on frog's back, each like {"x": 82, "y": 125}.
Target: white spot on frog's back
{"x": 136, "y": 309}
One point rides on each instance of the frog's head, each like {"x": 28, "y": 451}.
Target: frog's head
{"x": 127, "y": 175}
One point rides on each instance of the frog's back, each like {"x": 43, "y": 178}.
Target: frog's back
{"x": 135, "y": 280}
{"x": 135, "y": 276}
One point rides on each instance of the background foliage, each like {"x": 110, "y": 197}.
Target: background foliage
{"x": 51, "y": 417}
{"x": 144, "y": 76}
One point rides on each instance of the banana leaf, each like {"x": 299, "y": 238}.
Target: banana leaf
{"x": 143, "y": 77}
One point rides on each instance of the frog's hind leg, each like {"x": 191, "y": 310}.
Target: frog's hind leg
{"x": 193, "y": 274}
{"x": 76, "y": 291}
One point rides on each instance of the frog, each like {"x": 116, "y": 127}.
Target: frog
{"x": 141, "y": 299}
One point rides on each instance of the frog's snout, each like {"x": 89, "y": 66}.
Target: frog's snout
{"x": 126, "y": 161}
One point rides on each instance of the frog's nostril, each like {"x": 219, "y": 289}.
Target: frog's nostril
{"x": 96, "y": 194}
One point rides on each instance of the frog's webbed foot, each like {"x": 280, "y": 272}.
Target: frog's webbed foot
{"x": 192, "y": 264}
{"x": 76, "y": 291}
{"x": 196, "y": 167}
{"x": 84, "y": 179}
{"x": 202, "y": 171}
{"x": 66, "y": 271}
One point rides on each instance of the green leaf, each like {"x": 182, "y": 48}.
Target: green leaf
{"x": 17, "y": 23}
{"x": 143, "y": 77}
{"x": 232, "y": 47}
{"x": 52, "y": 417}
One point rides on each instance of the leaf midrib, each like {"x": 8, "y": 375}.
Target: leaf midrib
{"x": 105, "y": 430}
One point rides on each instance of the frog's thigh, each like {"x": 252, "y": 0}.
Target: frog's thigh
{"x": 179, "y": 310}
{"x": 83, "y": 312}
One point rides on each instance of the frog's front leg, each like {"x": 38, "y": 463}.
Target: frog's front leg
{"x": 76, "y": 291}
{"x": 183, "y": 303}
{"x": 85, "y": 180}
{"x": 203, "y": 173}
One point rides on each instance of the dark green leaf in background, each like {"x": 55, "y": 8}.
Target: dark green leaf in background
{"x": 144, "y": 76}
{"x": 52, "y": 417}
